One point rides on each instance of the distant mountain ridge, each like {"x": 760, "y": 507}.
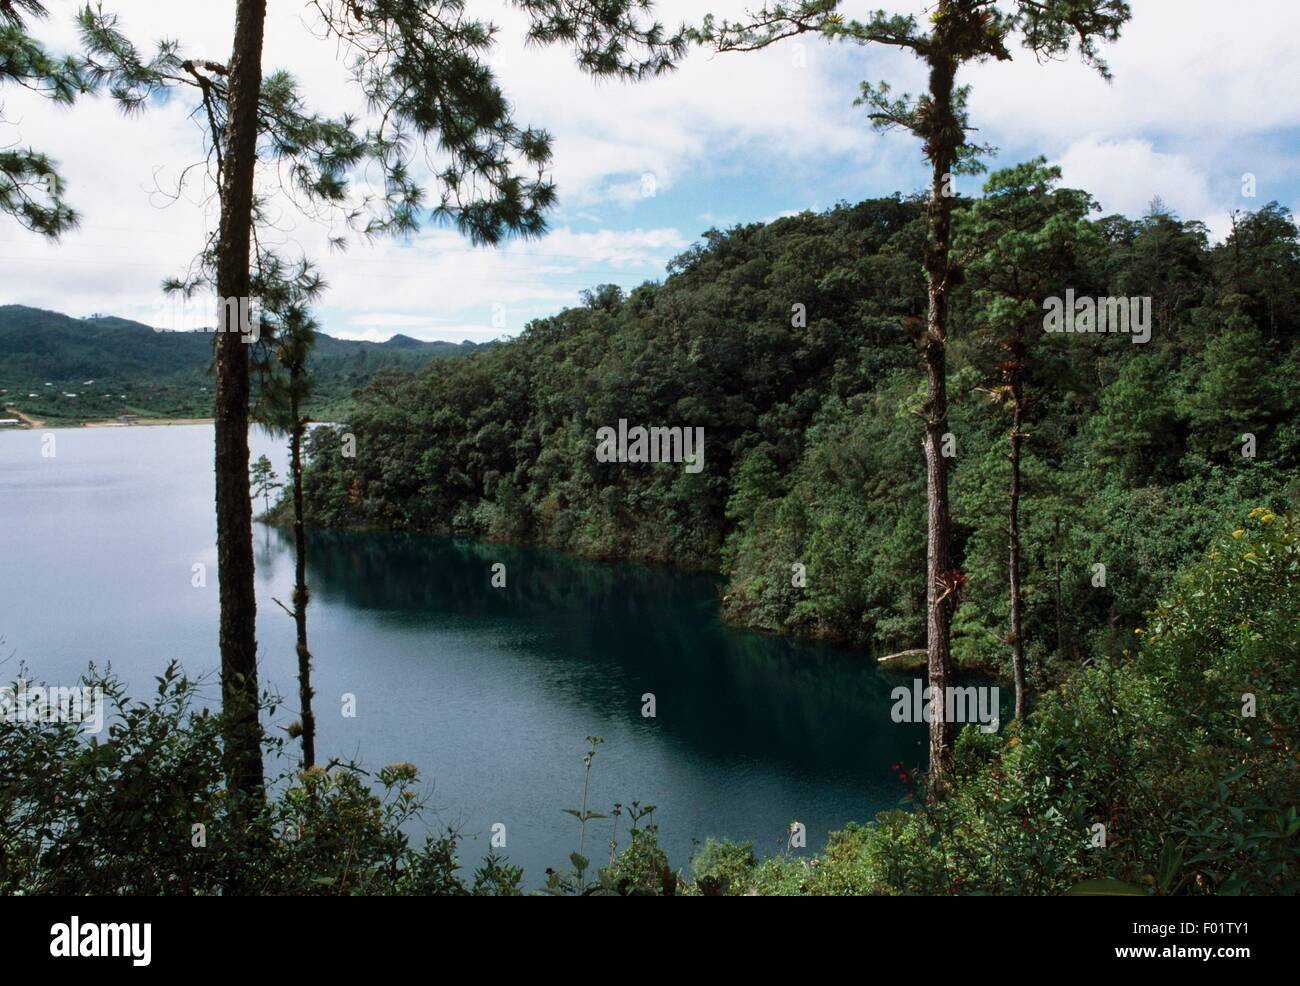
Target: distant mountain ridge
{"x": 105, "y": 366}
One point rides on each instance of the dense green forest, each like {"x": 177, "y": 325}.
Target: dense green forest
{"x": 115, "y": 366}
{"x": 1134, "y": 456}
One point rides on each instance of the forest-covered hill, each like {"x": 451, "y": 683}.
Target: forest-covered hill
{"x": 115, "y": 366}
{"x": 1134, "y": 457}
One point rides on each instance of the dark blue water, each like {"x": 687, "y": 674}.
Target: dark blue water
{"x": 489, "y": 691}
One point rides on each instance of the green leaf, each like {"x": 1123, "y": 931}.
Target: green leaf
{"x": 1237, "y": 774}
{"x": 1171, "y": 861}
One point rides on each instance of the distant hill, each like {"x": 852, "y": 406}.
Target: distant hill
{"x": 115, "y": 366}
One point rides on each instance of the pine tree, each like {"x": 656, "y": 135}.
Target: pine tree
{"x": 960, "y": 32}
{"x": 285, "y": 384}
{"x": 263, "y": 480}
{"x": 423, "y": 72}
{"x": 1018, "y": 245}
{"x": 31, "y": 189}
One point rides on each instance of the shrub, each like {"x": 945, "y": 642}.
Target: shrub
{"x": 145, "y": 810}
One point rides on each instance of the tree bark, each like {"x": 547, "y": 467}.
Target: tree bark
{"x": 944, "y": 137}
{"x": 239, "y": 686}
{"x": 1013, "y": 534}
{"x": 1060, "y": 624}
{"x": 300, "y": 595}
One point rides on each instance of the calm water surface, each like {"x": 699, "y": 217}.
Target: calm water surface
{"x": 489, "y": 691}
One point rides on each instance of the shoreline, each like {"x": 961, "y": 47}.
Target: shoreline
{"x": 145, "y": 423}
{"x": 906, "y": 662}
{"x": 30, "y": 423}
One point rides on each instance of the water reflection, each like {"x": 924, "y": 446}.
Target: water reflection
{"x": 625, "y": 631}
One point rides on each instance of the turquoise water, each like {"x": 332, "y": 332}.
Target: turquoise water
{"x": 489, "y": 691}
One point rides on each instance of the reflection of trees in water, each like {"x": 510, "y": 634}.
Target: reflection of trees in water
{"x": 417, "y": 572}
{"x": 270, "y": 543}
{"x": 637, "y": 629}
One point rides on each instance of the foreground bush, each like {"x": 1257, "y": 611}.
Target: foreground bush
{"x": 1173, "y": 768}
{"x": 143, "y": 809}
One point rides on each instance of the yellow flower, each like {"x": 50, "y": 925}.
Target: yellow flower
{"x": 1014, "y": 741}
{"x": 1257, "y": 511}
{"x": 1238, "y": 533}
{"x": 1249, "y": 554}
{"x": 1268, "y": 517}
{"x": 1139, "y": 631}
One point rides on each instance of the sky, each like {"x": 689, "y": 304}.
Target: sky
{"x": 1199, "y": 99}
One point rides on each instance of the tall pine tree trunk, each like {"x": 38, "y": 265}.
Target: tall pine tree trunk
{"x": 1013, "y": 533}
{"x": 945, "y": 135}
{"x": 1060, "y": 619}
{"x": 243, "y": 751}
{"x": 300, "y": 595}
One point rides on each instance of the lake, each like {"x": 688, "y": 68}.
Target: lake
{"x": 489, "y": 691}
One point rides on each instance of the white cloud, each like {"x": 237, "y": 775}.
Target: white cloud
{"x": 1198, "y": 98}
{"x": 485, "y": 293}
{"x": 1126, "y": 175}
{"x": 1192, "y": 69}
